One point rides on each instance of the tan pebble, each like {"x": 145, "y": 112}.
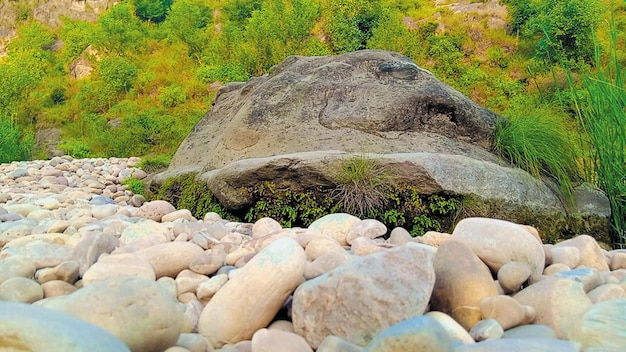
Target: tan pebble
{"x": 187, "y": 297}
{"x": 320, "y": 246}
{"x": 234, "y": 256}
{"x": 618, "y": 260}
{"x": 512, "y": 275}
{"x": 188, "y": 281}
{"x": 57, "y": 288}
{"x": 504, "y": 309}
{"x": 606, "y": 292}
{"x": 555, "y": 268}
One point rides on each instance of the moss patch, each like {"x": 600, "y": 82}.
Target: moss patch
{"x": 187, "y": 192}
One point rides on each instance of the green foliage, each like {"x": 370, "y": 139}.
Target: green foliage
{"x": 172, "y": 96}
{"x": 569, "y": 27}
{"x": 154, "y": 163}
{"x": 186, "y": 21}
{"x": 58, "y": 96}
{"x": 600, "y": 110}
{"x": 288, "y": 207}
{"x": 76, "y": 37}
{"x": 446, "y": 51}
{"x": 187, "y": 192}
{"x": 77, "y": 149}
{"x": 349, "y": 24}
{"x": 405, "y": 207}
{"x": 392, "y": 34}
{"x": 13, "y": 144}
{"x": 152, "y": 10}
{"x": 119, "y": 30}
{"x": 228, "y": 72}
{"x": 134, "y": 185}
{"x": 238, "y": 11}
{"x": 538, "y": 141}
{"x": 117, "y": 73}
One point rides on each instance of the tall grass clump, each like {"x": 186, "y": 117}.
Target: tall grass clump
{"x": 540, "y": 142}
{"x": 362, "y": 185}
{"x": 601, "y": 110}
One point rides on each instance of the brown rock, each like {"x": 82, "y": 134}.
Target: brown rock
{"x": 251, "y": 299}
{"x": 57, "y": 288}
{"x": 512, "y": 275}
{"x": 155, "y": 210}
{"x": 369, "y": 228}
{"x": 504, "y": 309}
{"x": 606, "y": 292}
{"x": 461, "y": 287}
{"x": 209, "y": 262}
{"x": 264, "y": 227}
{"x": 497, "y": 242}
{"x": 274, "y": 340}
{"x": 558, "y": 303}
{"x": 590, "y": 252}
{"x": 321, "y": 245}
{"x": 169, "y": 259}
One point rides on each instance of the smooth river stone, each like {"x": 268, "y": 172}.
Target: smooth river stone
{"x": 25, "y": 327}
{"x": 250, "y": 300}
{"x": 336, "y": 226}
{"x": 558, "y": 303}
{"x": 368, "y": 294}
{"x": 460, "y": 288}
{"x": 497, "y": 242}
{"x": 137, "y": 311}
{"x": 169, "y": 259}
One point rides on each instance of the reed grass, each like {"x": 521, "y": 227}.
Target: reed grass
{"x": 539, "y": 140}
{"x": 601, "y": 110}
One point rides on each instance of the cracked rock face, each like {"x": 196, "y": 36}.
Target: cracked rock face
{"x": 365, "y": 101}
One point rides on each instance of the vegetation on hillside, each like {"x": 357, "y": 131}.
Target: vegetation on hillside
{"x": 136, "y": 81}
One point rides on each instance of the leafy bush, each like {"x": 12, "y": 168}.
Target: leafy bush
{"x": 349, "y": 24}
{"x": 172, "y": 96}
{"x": 569, "y": 27}
{"x": 229, "y": 72}
{"x": 117, "y": 73}
{"x": 152, "y": 10}
{"x": 538, "y": 141}
{"x": 78, "y": 149}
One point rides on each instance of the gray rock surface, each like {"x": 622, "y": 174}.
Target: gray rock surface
{"x": 362, "y": 297}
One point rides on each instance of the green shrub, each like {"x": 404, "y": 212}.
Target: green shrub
{"x": 13, "y": 145}
{"x": 229, "y": 72}
{"x": 537, "y": 140}
{"x": 77, "y": 149}
{"x": 172, "y": 96}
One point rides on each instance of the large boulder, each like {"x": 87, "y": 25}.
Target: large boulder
{"x": 297, "y": 126}
{"x": 377, "y": 100}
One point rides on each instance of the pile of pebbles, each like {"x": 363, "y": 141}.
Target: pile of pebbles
{"x": 86, "y": 265}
